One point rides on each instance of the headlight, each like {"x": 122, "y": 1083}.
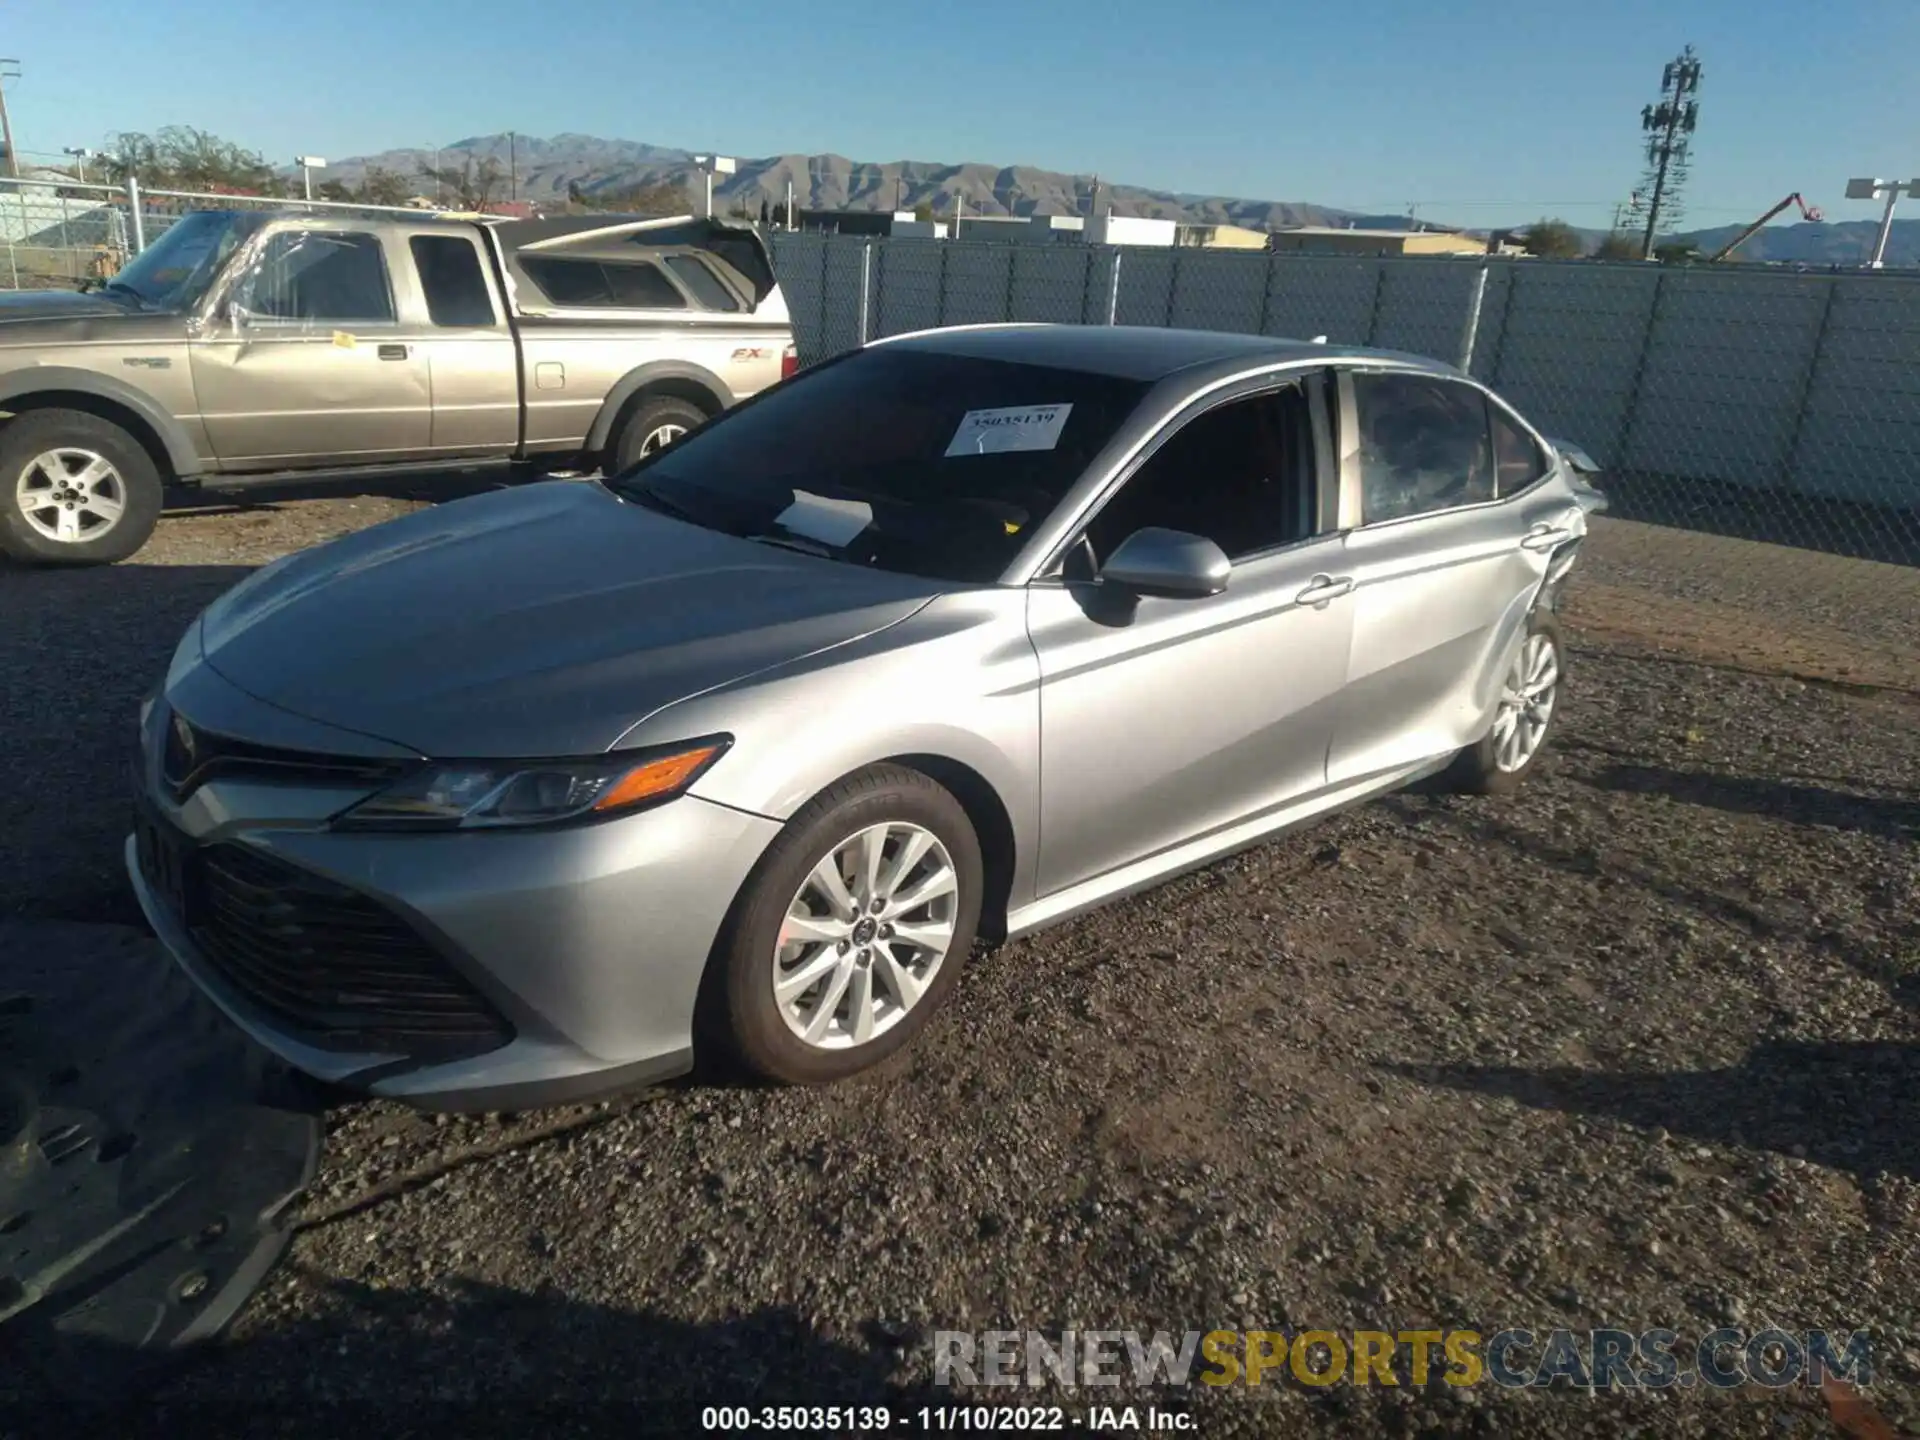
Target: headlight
{"x": 489, "y": 794}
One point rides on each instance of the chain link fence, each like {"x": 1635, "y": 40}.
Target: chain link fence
{"x": 1777, "y": 406}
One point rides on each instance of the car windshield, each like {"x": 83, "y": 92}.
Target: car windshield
{"x": 175, "y": 270}
{"x": 911, "y": 461}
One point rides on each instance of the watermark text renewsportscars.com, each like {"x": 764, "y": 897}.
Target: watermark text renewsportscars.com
{"x": 1509, "y": 1358}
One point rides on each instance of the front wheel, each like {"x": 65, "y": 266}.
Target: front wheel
{"x": 74, "y": 490}
{"x": 852, "y": 929}
{"x": 1529, "y": 705}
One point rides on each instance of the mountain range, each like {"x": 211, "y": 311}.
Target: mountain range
{"x": 550, "y": 169}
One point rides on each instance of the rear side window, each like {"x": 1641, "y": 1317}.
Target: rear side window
{"x": 693, "y": 273}
{"x": 1518, "y": 461}
{"x": 456, "y": 286}
{"x": 603, "y": 285}
{"x": 1424, "y": 445}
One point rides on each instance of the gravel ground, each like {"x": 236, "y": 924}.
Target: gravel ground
{"x": 1636, "y": 1048}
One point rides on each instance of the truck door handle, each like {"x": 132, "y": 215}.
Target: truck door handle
{"x": 1545, "y": 537}
{"x": 393, "y": 352}
{"x": 1323, "y": 588}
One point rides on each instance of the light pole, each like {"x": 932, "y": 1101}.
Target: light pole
{"x": 710, "y": 166}
{"x": 1872, "y": 189}
{"x": 308, "y": 164}
{"x": 9, "y": 70}
{"x": 80, "y": 155}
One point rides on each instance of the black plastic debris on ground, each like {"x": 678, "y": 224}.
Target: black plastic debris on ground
{"x": 148, "y": 1152}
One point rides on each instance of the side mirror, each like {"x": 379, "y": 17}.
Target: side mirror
{"x": 1170, "y": 564}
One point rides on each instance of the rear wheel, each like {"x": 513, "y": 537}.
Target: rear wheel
{"x": 1529, "y": 705}
{"x": 852, "y": 929}
{"x": 651, "y": 426}
{"x": 74, "y": 490}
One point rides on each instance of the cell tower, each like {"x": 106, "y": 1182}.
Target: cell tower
{"x": 1668, "y": 125}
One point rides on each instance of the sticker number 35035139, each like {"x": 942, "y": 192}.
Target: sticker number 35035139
{"x": 1015, "y": 427}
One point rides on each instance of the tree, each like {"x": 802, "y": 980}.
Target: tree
{"x": 654, "y": 199}
{"x": 381, "y": 186}
{"x": 923, "y": 211}
{"x": 472, "y": 185}
{"x": 180, "y": 157}
{"x": 1617, "y": 245}
{"x": 1552, "y": 239}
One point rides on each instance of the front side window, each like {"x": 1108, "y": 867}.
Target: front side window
{"x": 319, "y": 276}
{"x": 176, "y": 269}
{"x": 1240, "y": 474}
{"x": 911, "y": 461}
{"x": 1424, "y": 445}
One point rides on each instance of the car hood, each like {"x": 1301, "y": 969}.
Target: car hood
{"x": 545, "y": 620}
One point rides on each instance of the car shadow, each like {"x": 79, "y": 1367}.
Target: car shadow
{"x": 1791, "y": 801}
{"x": 470, "y": 1357}
{"x": 80, "y": 648}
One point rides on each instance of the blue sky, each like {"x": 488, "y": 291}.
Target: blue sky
{"x": 1481, "y": 111}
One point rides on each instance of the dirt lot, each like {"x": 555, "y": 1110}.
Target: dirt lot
{"x": 1637, "y": 1048}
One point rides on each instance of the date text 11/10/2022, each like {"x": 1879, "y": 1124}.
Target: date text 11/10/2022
{"x": 938, "y": 1419}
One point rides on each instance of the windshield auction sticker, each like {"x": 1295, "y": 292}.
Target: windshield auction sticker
{"x": 1018, "y": 427}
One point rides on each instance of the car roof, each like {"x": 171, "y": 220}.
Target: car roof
{"x": 1139, "y": 352}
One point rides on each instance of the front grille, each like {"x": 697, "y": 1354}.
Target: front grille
{"x": 190, "y": 755}
{"x": 337, "y": 967}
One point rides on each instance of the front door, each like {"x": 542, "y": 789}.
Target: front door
{"x": 311, "y": 365}
{"x": 1164, "y": 720}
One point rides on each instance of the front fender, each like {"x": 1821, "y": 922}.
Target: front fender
{"x": 182, "y": 458}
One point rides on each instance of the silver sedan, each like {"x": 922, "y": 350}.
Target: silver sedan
{"x": 516, "y": 800}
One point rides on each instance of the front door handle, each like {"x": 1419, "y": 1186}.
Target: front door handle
{"x": 393, "y": 352}
{"x": 1545, "y": 537}
{"x": 1323, "y": 588}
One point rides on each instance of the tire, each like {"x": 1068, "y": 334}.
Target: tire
{"x": 1480, "y": 769}
{"x": 49, "y": 451}
{"x": 645, "y": 422}
{"x": 759, "y": 1027}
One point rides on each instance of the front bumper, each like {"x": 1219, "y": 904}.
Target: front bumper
{"x": 588, "y": 941}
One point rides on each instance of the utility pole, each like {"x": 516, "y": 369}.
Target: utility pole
{"x": 1669, "y": 125}
{"x": 9, "y": 70}
{"x": 1872, "y": 189}
{"x": 513, "y": 166}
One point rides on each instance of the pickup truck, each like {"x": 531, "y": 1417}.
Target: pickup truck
{"x": 256, "y": 345}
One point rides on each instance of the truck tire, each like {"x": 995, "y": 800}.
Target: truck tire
{"x": 74, "y": 490}
{"x": 652, "y": 425}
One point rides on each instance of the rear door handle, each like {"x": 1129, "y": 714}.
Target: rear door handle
{"x": 1323, "y": 588}
{"x": 1545, "y": 537}
{"x": 393, "y": 352}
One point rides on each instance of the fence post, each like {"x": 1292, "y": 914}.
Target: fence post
{"x": 1630, "y": 411}
{"x": 1379, "y": 289}
{"x": 866, "y": 292}
{"x": 1113, "y": 288}
{"x": 1500, "y": 333}
{"x": 133, "y": 213}
{"x": 1266, "y": 293}
{"x": 1472, "y": 333}
{"x": 1173, "y": 287}
{"x": 945, "y": 252}
{"x": 1784, "y": 478}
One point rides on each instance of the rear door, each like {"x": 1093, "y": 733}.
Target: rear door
{"x": 1163, "y": 720}
{"x": 1445, "y": 561}
{"x": 460, "y": 329}
{"x": 311, "y": 365}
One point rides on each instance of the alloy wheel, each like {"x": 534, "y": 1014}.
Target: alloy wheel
{"x": 1526, "y": 703}
{"x": 660, "y": 437}
{"x": 865, "y": 935}
{"x": 71, "y": 495}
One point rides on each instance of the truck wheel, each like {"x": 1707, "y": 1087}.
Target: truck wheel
{"x": 74, "y": 490}
{"x": 651, "y": 426}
